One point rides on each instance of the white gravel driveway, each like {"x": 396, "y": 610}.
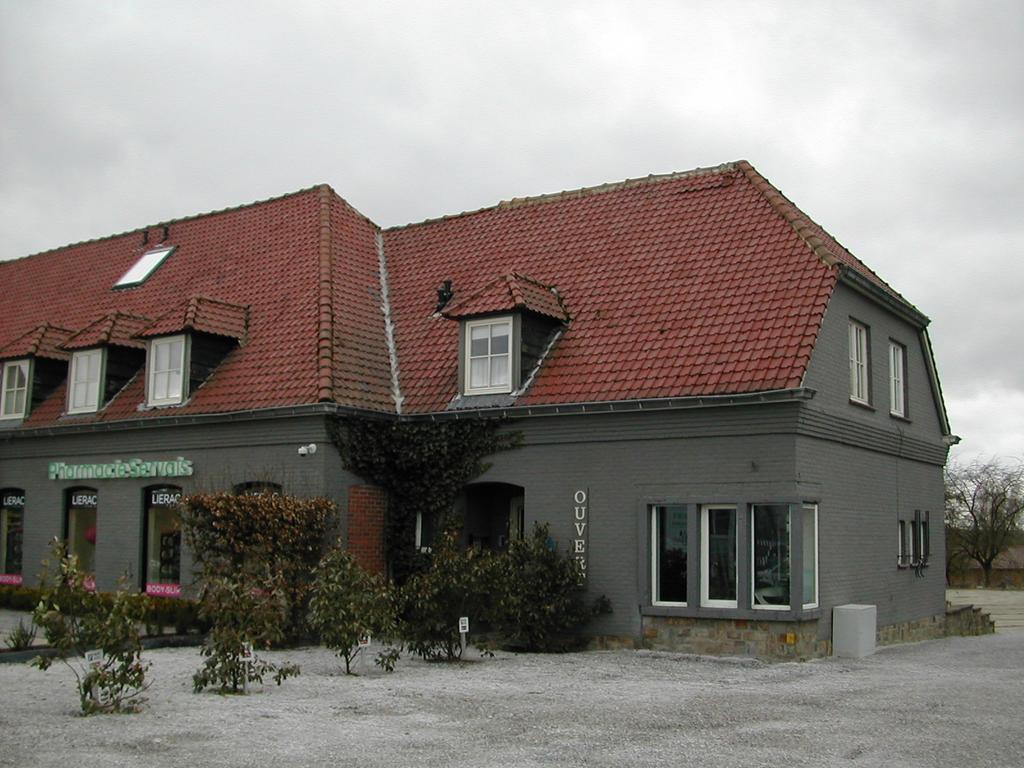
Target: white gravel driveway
{"x": 954, "y": 702}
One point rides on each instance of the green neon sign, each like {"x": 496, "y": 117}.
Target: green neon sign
{"x": 121, "y": 470}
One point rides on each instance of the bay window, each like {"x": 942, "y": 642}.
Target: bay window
{"x": 718, "y": 557}
{"x": 669, "y": 553}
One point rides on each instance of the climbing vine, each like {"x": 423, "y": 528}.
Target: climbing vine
{"x": 421, "y": 465}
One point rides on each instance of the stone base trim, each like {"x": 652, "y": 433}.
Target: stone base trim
{"x": 957, "y": 621}
{"x": 770, "y": 640}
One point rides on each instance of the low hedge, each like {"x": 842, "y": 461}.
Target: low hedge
{"x": 158, "y": 612}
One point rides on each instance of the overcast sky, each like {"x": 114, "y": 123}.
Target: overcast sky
{"x": 897, "y": 126}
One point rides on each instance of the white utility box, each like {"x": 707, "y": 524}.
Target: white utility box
{"x": 853, "y": 630}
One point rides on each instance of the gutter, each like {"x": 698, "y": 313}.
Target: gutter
{"x": 796, "y": 394}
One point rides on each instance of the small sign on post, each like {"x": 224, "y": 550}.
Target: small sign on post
{"x": 363, "y": 653}
{"x": 246, "y": 666}
{"x": 94, "y": 658}
{"x": 463, "y": 630}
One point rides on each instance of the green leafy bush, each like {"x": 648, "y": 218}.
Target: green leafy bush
{"x": 75, "y": 620}
{"x": 346, "y": 603}
{"x": 279, "y": 535}
{"x": 247, "y": 611}
{"x": 458, "y": 582}
{"x": 541, "y": 601}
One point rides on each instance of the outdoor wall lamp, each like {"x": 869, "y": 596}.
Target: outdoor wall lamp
{"x": 307, "y": 450}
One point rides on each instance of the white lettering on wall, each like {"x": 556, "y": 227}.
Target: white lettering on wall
{"x": 580, "y": 523}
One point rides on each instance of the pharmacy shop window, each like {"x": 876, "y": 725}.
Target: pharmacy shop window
{"x": 80, "y": 529}
{"x": 162, "y": 541}
{"x": 12, "y": 521}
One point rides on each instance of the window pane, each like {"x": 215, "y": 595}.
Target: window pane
{"x": 771, "y": 554}
{"x": 19, "y": 401}
{"x": 499, "y": 339}
{"x": 10, "y": 540}
{"x": 479, "y": 343}
{"x": 174, "y": 384}
{"x": 163, "y": 546}
{"x": 162, "y": 353}
{"x": 82, "y": 536}
{"x": 499, "y": 371}
{"x": 671, "y": 554}
{"x": 478, "y": 373}
{"x": 176, "y": 348}
{"x": 721, "y": 551}
{"x": 810, "y": 555}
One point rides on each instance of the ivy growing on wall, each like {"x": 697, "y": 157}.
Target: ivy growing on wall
{"x": 422, "y": 466}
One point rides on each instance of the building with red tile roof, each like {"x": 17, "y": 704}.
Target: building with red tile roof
{"x": 690, "y": 353}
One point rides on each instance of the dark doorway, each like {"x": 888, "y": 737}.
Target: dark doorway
{"x": 493, "y": 514}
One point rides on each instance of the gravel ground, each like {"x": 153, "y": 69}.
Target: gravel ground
{"x": 954, "y": 702}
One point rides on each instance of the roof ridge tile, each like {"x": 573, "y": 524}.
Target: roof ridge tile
{"x": 596, "y": 189}
{"x": 325, "y": 303}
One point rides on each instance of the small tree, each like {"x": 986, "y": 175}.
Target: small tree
{"x": 346, "y": 604}
{"x": 247, "y": 611}
{"x": 262, "y": 533}
{"x": 984, "y": 509}
{"x": 541, "y": 604}
{"x": 76, "y": 620}
{"x": 458, "y": 582}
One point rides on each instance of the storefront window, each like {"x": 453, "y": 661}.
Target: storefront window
{"x": 12, "y": 508}
{"x": 669, "y": 552}
{"x": 771, "y": 561}
{"x": 810, "y": 555}
{"x": 163, "y": 542}
{"x": 718, "y": 557}
{"x": 80, "y": 529}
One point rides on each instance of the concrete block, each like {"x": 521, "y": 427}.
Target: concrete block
{"x": 853, "y": 630}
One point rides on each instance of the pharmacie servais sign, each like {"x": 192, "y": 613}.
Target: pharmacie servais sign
{"x": 121, "y": 469}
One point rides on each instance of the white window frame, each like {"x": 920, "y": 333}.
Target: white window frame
{"x": 817, "y": 560}
{"x": 860, "y": 365}
{"x": 144, "y": 266}
{"x": 705, "y": 549}
{"x": 655, "y": 546}
{"x": 468, "y": 358}
{"x": 753, "y": 566}
{"x": 78, "y": 359}
{"x": 26, "y": 367}
{"x": 897, "y": 379}
{"x": 151, "y": 371}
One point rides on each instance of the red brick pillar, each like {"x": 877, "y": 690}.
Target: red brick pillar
{"x": 366, "y": 506}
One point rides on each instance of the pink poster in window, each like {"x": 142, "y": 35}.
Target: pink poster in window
{"x": 163, "y": 590}
{"x": 11, "y": 579}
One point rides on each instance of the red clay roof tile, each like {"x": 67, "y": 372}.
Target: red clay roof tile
{"x": 705, "y": 282}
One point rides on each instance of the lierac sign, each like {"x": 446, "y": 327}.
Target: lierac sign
{"x": 121, "y": 469}
{"x": 12, "y": 500}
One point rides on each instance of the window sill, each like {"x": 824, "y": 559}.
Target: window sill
{"x": 861, "y": 404}
{"x": 748, "y": 614}
{"x": 897, "y": 417}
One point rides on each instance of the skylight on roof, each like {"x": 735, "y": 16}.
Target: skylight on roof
{"x": 144, "y": 267}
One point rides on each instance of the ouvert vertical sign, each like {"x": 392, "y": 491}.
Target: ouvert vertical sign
{"x": 581, "y": 527}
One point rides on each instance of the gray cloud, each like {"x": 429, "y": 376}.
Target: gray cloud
{"x": 896, "y": 125}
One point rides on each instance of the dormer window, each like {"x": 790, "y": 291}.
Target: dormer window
{"x": 488, "y": 363}
{"x": 144, "y": 267}
{"x": 84, "y": 381}
{"x": 165, "y": 380}
{"x": 14, "y": 398}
